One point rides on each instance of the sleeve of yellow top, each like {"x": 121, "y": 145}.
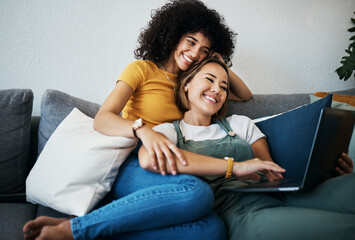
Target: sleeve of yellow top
{"x": 133, "y": 74}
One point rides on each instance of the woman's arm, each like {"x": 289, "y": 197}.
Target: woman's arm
{"x": 201, "y": 165}
{"x": 197, "y": 164}
{"x": 109, "y": 122}
{"x": 239, "y": 90}
{"x": 261, "y": 149}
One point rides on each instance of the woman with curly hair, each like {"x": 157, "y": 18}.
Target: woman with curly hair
{"x": 143, "y": 204}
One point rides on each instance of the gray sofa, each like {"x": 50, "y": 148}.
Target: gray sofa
{"x": 23, "y": 136}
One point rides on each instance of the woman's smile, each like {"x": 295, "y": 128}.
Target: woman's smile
{"x": 210, "y": 98}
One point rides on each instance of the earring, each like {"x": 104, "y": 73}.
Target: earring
{"x": 185, "y": 88}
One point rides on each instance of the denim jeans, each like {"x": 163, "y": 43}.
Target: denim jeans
{"x": 151, "y": 206}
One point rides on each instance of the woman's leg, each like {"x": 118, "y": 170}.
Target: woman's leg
{"x": 291, "y": 223}
{"x": 327, "y": 212}
{"x": 336, "y": 194}
{"x": 210, "y": 227}
{"x": 146, "y": 200}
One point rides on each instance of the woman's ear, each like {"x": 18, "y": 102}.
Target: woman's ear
{"x": 186, "y": 88}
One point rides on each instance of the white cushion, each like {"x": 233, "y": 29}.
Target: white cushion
{"x": 77, "y": 166}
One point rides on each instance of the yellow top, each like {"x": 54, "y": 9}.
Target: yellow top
{"x": 153, "y": 97}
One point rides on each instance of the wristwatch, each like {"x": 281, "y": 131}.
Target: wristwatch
{"x": 230, "y": 163}
{"x": 136, "y": 125}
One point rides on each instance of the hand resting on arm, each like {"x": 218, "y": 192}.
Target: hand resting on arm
{"x": 109, "y": 122}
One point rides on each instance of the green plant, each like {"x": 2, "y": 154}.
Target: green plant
{"x": 348, "y": 62}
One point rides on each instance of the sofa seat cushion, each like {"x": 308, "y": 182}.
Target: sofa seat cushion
{"x": 13, "y": 218}
{"x": 15, "y": 124}
{"x": 50, "y": 212}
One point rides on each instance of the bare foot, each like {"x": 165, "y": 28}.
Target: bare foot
{"x": 33, "y": 228}
{"x": 61, "y": 231}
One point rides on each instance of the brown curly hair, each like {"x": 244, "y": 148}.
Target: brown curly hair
{"x": 176, "y": 18}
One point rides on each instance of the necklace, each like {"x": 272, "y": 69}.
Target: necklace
{"x": 168, "y": 77}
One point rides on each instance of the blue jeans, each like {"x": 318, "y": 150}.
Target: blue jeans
{"x": 151, "y": 206}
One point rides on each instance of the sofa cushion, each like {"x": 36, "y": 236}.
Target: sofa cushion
{"x": 15, "y": 124}
{"x": 77, "y": 166}
{"x": 55, "y": 106}
{"x": 47, "y": 211}
{"x": 13, "y": 218}
{"x": 290, "y": 136}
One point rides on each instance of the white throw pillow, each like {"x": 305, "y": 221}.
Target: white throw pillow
{"x": 77, "y": 166}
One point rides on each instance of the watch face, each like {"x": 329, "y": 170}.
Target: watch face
{"x": 138, "y": 123}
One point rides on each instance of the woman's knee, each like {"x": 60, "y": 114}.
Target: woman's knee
{"x": 199, "y": 195}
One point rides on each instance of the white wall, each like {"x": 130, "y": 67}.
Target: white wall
{"x": 80, "y": 47}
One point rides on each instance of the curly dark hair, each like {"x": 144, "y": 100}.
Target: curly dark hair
{"x": 176, "y": 18}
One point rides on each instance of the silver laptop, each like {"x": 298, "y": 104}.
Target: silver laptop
{"x": 332, "y": 137}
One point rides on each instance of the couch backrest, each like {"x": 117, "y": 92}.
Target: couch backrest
{"x": 262, "y": 105}
{"x": 15, "y": 117}
{"x": 55, "y": 106}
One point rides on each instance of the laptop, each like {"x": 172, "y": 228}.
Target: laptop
{"x": 332, "y": 137}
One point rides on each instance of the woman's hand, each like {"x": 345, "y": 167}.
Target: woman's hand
{"x": 160, "y": 148}
{"x": 345, "y": 165}
{"x": 239, "y": 90}
{"x": 248, "y": 169}
{"x": 217, "y": 55}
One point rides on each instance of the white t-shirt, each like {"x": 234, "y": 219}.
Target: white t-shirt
{"x": 243, "y": 126}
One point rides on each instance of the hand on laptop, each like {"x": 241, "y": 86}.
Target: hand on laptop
{"x": 248, "y": 168}
{"x": 345, "y": 164}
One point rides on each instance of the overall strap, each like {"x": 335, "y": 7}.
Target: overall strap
{"x": 223, "y": 123}
{"x": 180, "y": 137}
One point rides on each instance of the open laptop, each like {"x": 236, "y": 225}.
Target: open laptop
{"x": 332, "y": 137}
